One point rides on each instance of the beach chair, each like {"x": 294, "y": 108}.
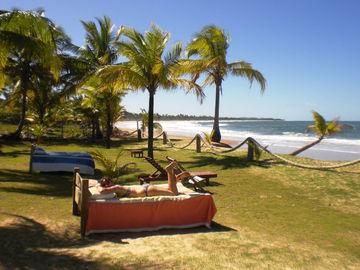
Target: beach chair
{"x": 197, "y": 179}
{"x": 160, "y": 173}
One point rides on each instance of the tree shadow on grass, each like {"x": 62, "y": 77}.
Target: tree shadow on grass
{"x": 15, "y": 153}
{"x": 54, "y": 184}
{"x": 225, "y": 162}
{"x": 89, "y": 143}
{"x": 118, "y": 237}
{"x": 27, "y": 244}
{"x": 45, "y": 184}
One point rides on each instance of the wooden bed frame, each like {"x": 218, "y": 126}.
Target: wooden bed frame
{"x": 80, "y": 199}
{"x": 83, "y": 206}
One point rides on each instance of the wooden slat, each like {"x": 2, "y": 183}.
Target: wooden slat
{"x": 78, "y": 197}
{"x": 78, "y": 179}
{"x": 75, "y": 204}
{"x": 84, "y": 205}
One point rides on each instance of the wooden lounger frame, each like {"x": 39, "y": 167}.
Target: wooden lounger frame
{"x": 80, "y": 199}
{"x": 160, "y": 173}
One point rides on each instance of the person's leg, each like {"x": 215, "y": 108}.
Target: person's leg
{"x": 170, "y": 169}
{"x": 171, "y": 190}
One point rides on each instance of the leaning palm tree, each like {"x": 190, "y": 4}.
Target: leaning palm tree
{"x": 322, "y": 129}
{"x": 210, "y": 46}
{"x": 148, "y": 67}
{"x": 28, "y": 40}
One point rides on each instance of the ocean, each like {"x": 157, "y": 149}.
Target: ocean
{"x": 279, "y": 136}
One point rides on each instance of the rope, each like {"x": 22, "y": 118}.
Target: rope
{"x": 251, "y": 140}
{"x": 335, "y": 166}
{"x": 182, "y": 147}
{"x": 222, "y": 151}
{"x": 133, "y": 132}
{"x": 159, "y": 135}
{"x": 305, "y": 166}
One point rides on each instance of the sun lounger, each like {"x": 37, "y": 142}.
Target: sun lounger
{"x": 110, "y": 214}
{"x": 42, "y": 161}
{"x": 160, "y": 173}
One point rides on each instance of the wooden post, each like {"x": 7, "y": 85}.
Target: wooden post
{"x": 75, "y": 208}
{"x": 198, "y": 143}
{"x": 32, "y": 149}
{"x": 84, "y": 206}
{"x": 250, "y": 153}
{"x": 139, "y": 135}
{"x": 164, "y": 137}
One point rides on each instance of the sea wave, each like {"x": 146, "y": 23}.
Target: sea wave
{"x": 286, "y": 139}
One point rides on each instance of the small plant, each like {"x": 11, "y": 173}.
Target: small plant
{"x": 38, "y": 132}
{"x": 112, "y": 168}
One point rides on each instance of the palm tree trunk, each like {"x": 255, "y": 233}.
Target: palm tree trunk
{"x": 93, "y": 127}
{"x": 99, "y": 134}
{"x": 151, "y": 124}
{"x": 108, "y": 125}
{"x": 302, "y": 149}
{"x": 215, "y": 133}
{"x": 17, "y": 133}
{"x": 62, "y": 129}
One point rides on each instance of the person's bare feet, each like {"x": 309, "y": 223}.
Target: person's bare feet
{"x": 171, "y": 166}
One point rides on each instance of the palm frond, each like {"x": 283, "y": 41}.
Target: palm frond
{"x": 207, "y": 137}
{"x": 245, "y": 69}
{"x": 323, "y": 128}
{"x": 319, "y": 124}
{"x": 112, "y": 168}
{"x": 190, "y": 87}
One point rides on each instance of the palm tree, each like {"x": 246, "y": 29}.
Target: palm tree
{"x": 210, "y": 46}
{"x": 104, "y": 101}
{"x": 29, "y": 43}
{"x": 148, "y": 68}
{"x": 99, "y": 51}
{"x": 322, "y": 129}
{"x": 112, "y": 109}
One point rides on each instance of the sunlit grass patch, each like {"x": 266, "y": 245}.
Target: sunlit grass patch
{"x": 269, "y": 216}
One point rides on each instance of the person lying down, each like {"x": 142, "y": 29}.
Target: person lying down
{"x": 145, "y": 190}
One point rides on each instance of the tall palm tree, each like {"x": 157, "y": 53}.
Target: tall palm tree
{"x": 322, "y": 129}
{"x": 28, "y": 40}
{"x": 210, "y": 46}
{"x": 99, "y": 51}
{"x": 148, "y": 68}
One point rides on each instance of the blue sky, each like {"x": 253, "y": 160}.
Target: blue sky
{"x": 309, "y": 51}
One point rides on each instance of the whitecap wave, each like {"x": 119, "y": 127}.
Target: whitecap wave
{"x": 286, "y": 139}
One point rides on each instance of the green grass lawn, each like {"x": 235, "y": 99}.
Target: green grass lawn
{"x": 269, "y": 216}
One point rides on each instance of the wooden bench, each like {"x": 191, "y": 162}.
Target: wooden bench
{"x": 138, "y": 153}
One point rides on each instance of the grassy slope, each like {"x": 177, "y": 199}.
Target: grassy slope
{"x": 269, "y": 216}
